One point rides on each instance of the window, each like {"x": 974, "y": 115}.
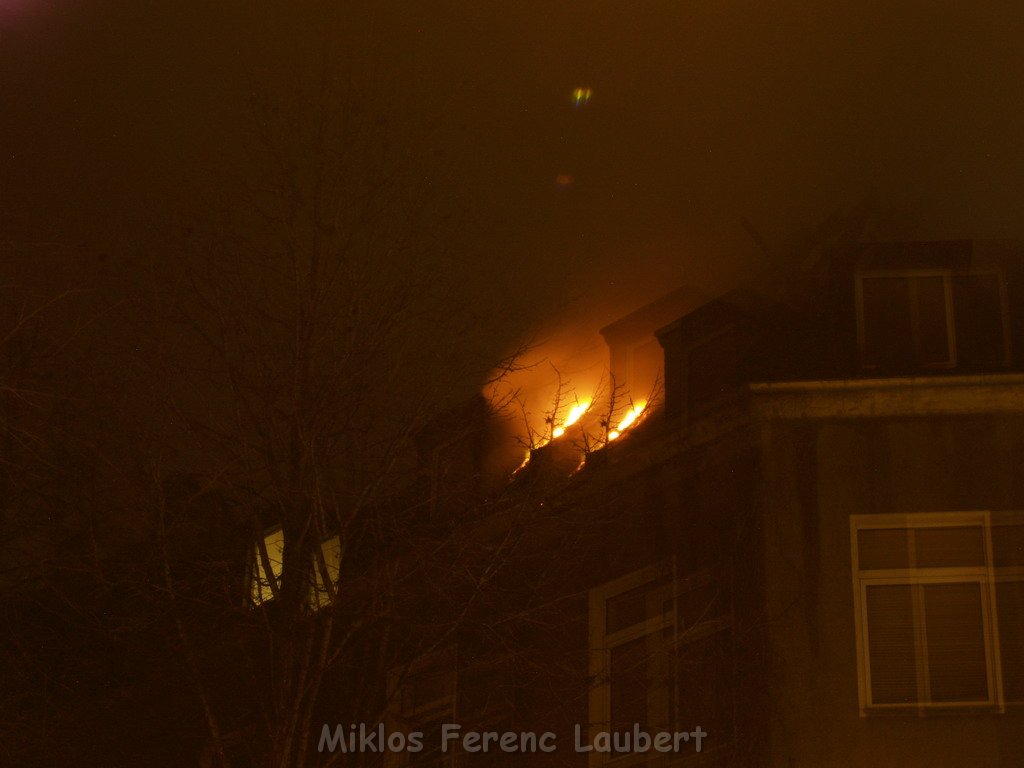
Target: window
{"x": 712, "y": 369}
{"x": 422, "y": 698}
{"x": 661, "y": 656}
{"x": 264, "y": 584}
{"x": 931, "y": 319}
{"x": 487, "y": 702}
{"x": 646, "y": 369}
{"x": 939, "y": 603}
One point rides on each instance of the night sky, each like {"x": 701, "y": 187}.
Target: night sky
{"x": 122, "y": 120}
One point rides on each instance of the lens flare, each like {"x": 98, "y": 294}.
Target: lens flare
{"x": 581, "y": 97}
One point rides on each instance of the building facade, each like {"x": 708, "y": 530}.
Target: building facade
{"x": 812, "y": 554}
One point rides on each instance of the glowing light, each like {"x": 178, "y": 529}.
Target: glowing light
{"x": 581, "y": 96}
{"x": 563, "y": 180}
{"x": 627, "y": 420}
{"x": 575, "y": 413}
{"x": 526, "y": 460}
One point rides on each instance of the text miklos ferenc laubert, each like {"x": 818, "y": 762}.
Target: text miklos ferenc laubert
{"x": 376, "y": 739}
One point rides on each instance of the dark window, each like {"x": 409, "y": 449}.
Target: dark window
{"x": 636, "y": 669}
{"x": 487, "y": 702}
{"x": 666, "y": 650}
{"x": 905, "y": 322}
{"x": 1010, "y": 599}
{"x": 978, "y": 308}
{"x": 914, "y": 321}
{"x": 950, "y": 624}
{"x": 424, "y": 700}
{"x": 891, "y": 648}
{"x": 883, "y": 548}
{"x": 940, "y": 608}
{"x": 955, "y": 629}
{"x": 711, "y": 370}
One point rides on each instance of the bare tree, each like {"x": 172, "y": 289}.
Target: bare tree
{"x": 316, "y": 334}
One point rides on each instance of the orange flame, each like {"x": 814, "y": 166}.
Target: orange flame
{"x": 575, "y": 414}
{"x": 628, "y": 420}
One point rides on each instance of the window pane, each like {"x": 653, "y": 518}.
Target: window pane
{"x": 261, "y": 585}
{"x": 883, "y": 548}
{"x": 950, "y": 547}
{"x": 888, "y": 328}
{"x": 978, "y": 311}
{"x": 1008, "y": 545}
{"x": 330, "y": 550}
{"x": 1010, "y": 602}
{"x": 637, "y": 605}
{"x": 891, "y": 644}
{"x": 704, "y": 687}
{"x": 932, "y": 328}
{"x": 646, "y": 364}
{"x": 712, "y": 369}
{"x": 956, "y": 642}
{"x": 629, "y": 684}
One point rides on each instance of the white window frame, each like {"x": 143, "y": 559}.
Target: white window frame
{"x": 947, "y": 276}
{"x": 984, "y": 576}
{"x": 602, "y": 643}
{"x": 1005, "y": 573}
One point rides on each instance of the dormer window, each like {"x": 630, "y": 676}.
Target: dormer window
{"x": 931, "y": 319}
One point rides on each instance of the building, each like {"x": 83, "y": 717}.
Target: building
{"x": 814, "y": 551}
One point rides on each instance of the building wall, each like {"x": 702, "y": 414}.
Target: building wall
{"x": 815, "y": 475}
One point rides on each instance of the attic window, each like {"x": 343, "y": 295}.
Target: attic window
{"x": 646, "y": 365}
{"x": 711, "y": 369}
{"x": 931, "y": 319}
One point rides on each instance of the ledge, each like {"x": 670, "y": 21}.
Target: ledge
{"x": 902, "y": 396}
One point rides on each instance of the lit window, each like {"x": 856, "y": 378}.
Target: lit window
{"x": 931, "y": 319}
{"x": 326, "y": 569}
{"x": 661, "y": 656}
{"x": 264, "y": 583}
{"x": 938, "y": 609}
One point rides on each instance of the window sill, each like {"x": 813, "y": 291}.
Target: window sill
{"x": 932, "y": 710}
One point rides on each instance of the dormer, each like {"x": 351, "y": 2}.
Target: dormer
{"x": 702, "y": 358}
{"x": 933, "y": 307}
{"x": 636, "y": 358}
